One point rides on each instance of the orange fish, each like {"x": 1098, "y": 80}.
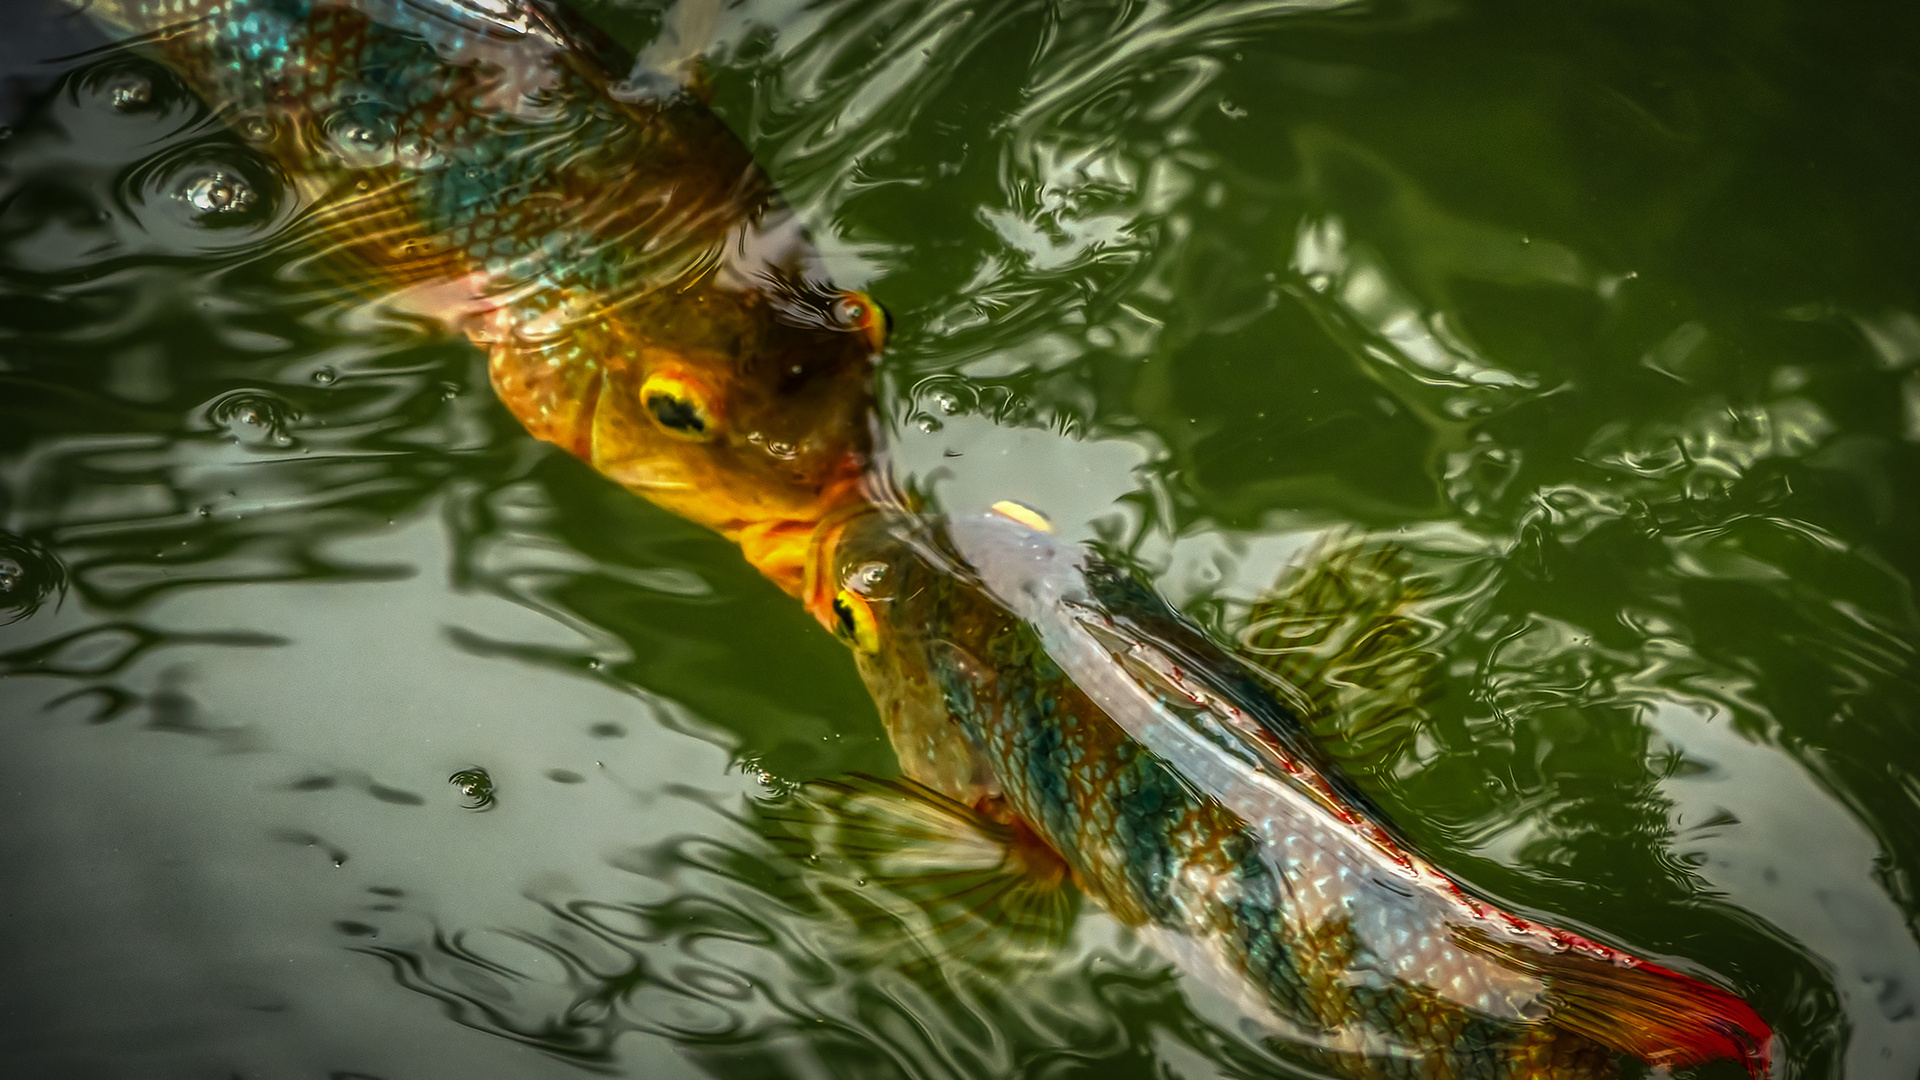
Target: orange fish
{"x": 646, "y": 300}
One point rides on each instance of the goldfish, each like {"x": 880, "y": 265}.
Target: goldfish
{"x": 1042, "y": 687}
{"x": 646, "y": 300}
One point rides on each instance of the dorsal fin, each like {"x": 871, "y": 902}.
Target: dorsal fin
{"x": 1129, "y": 611}
{"x": 1341, "y": 636}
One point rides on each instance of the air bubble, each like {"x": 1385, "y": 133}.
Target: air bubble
{"x": 476, "y": 786}
{"x": 417, "y": 154}
{"x": 219, "y": 192}
{"x": 254, "y": 128}
{"x": 130, "y": 93}
{"x": 208, "y": 196}
{"x": 132, "y": 87}
{"x": 253, "y": 417}
{"x": 29, "y": 574}
{"x": 325, "y": 376}
{"x": 361, "y": 136}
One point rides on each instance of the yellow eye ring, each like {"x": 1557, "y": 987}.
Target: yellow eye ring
{"x": 853, "y": 622}
{"x": 858, "y": 312}
{"x": 679, "y": 407}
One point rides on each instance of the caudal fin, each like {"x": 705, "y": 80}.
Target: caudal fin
{"x": 1637, "y": 1007}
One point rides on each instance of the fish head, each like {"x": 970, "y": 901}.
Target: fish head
{"x": 864, "y": 573}
{"x": 747, "y": 417}
{"x": 875, "y": 578}
{"x": 880, "y": 581}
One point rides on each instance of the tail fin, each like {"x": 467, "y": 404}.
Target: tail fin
{"x": 1636, "y": 1007}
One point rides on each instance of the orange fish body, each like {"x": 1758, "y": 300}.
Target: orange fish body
{"x": 645, "y": 299}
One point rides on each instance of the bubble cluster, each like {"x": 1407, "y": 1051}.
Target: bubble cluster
{"x": 131, "y": 86}
{"x": 207, "y": 196}
{"x": 130, "y": 93}
{"x": 219, "y": 192}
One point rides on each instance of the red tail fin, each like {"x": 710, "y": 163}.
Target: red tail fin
{"x": 1635, "y": 1007}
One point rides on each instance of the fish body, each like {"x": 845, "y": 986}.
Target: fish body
{"x": 1024, "y": 676}
{"x": 646, "y": 301}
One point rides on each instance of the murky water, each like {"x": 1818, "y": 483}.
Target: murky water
{"x": 1609, "y": 315}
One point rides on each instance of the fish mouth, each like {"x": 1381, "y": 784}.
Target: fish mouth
{"x": 795, "y": 550}
{"x": 819, "y": 583}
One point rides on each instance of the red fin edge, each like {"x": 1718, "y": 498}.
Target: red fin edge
{"x": 1637, "y": 1007}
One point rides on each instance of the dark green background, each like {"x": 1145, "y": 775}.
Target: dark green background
{"x": 1608, "y": 313}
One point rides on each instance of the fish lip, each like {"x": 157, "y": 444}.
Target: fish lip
{"x": 819, "y": 583}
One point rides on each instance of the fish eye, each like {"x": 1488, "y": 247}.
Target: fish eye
{"x": 858, "y": 312}
{"x": 853, "y": 622}
{"x": 678, "y": 406}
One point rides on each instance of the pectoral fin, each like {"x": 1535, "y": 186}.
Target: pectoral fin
{"x": 897, "y": 854}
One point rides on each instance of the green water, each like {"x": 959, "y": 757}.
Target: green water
{"x": 1607, "y": 313}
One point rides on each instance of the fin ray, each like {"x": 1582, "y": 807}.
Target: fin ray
{"x": 1637, "y": 1007}
{"x": 897, "y": 852}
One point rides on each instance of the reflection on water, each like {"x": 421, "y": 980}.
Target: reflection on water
{"x": 755, "y": 966}
{"x": 1559, "y": 314}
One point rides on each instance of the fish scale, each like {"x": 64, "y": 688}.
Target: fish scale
{"x": 528, "y": 192}
{"x": 1156, "y": 854}
{"x": 1187, "y": 801}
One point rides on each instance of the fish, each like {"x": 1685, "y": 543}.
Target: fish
{"x": 1037, "y": 689}
{"x": 646, "y": 300}
{"x": 647, "y": 303}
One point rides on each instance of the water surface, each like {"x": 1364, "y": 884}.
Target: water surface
{"x": 1607, "y": 313}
